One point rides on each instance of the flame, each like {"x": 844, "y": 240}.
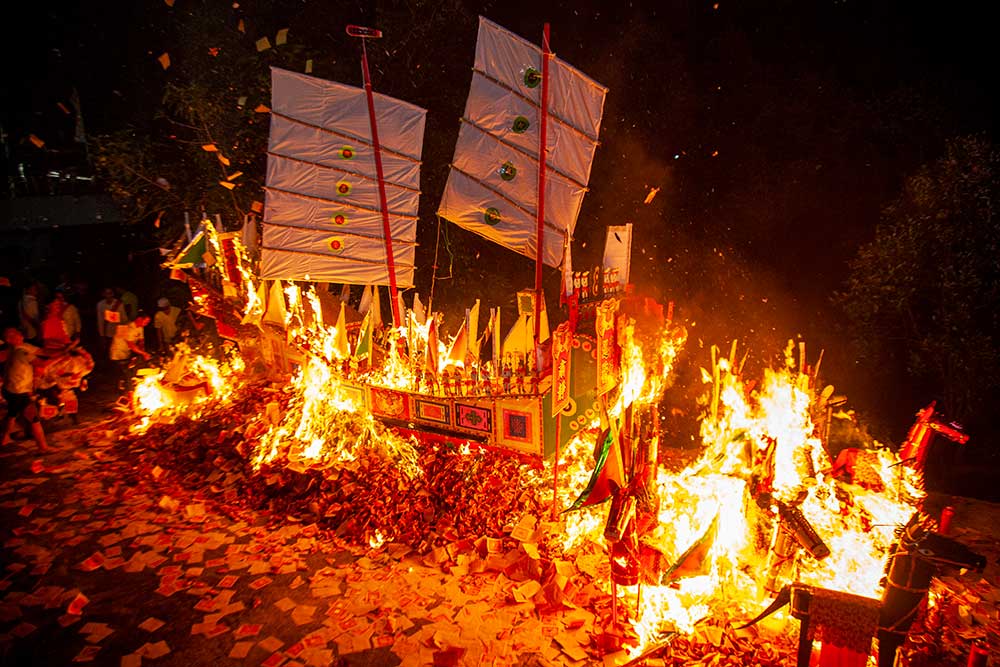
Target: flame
{"x": 189, "y": 384}
{"x": 719, "y": 518}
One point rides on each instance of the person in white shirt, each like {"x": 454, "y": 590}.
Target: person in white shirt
{"x": 165, "y": 323}
{"x": 129, "y": 339}
{"x": 18, "y": 386}
{"x": 110, "y": 313}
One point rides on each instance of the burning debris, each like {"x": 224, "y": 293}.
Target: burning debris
{"x": 679, "y": 558}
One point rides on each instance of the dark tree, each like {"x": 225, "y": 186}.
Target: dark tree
{"x": 923, "y": 295}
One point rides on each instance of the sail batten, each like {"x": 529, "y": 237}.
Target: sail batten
{"x": 323, "y": 216}
{"x": 345, "y": 136}
{"x": 492, "y": 187}
{"x": 346, "y": 172}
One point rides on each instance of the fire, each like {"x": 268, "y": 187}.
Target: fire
{"x": 188, "y": 384}
{"x": 756, "y": 510}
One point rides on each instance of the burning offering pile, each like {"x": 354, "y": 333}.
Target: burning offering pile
{"x": 671, "y": 562}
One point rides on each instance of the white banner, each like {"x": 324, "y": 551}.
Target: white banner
{"x": 618, "y": 251}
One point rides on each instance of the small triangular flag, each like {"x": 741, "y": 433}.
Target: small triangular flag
{"x": 164, "y": 60}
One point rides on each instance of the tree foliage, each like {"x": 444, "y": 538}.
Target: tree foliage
{"x": 923, "y": 295}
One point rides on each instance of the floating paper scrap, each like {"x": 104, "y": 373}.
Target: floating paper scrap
{"x": 248, "y": 630}
{"x": 151, "y": 624}
{"x": 36, "y": 141}
{"x": 169, "y": 504}
{"x": 263, "y": 44}
{"x": 227, "y": 185}
{"x": 87, "y": 654}
{"x": 131, "y": 660}
{"x": 649, "y": 196}
{"x": 154, "y": 650}
{"x": 524, "y": 529}
{"x": 241, "y": 26}
{"x": 270, "y": 644}
{"x": 77, "y": 605}
{"x": 96, "y": 632}
{"x": 211, "y": 148}
{"x": 309, "y": 66}
{"x": 281, "y": 37}
{"x": 241, "y": 650}
{"x": 262, "y": 108}
{"x": 164, "y": 60}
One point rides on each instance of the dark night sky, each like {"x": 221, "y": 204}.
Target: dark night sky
{"x": 775, "y": 130}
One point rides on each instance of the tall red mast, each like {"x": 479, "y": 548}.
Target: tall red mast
{"x": 542, "y": 158}
{"x": 366, "y": 33}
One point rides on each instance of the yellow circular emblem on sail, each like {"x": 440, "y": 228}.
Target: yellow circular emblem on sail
{"x": 343, "y": 188}
{"x": 335, "y": 243}
{"x": 339, "y": 219}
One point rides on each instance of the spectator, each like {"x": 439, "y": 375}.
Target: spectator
{"x": 129, "y": 339}
{"x": 54, "y": 334}
{"x": 130, "y": 301}
{"x": 18, "y": 386}
{"x": 30, "y": 314}
{"x": 110, "y": 313}
{"x": 165, "y": 323}
{"x": 70, "y": 317}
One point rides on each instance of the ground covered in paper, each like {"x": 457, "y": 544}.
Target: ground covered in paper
{"x": 168, "y": 549}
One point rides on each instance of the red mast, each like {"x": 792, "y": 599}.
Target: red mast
{"x": 365, "y": 33}
{"x": 542, "y": 158}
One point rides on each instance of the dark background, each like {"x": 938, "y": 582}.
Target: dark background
{"x": 776, "y": 132}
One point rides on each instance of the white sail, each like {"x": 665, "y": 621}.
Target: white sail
{"x": 323, "y": 216}
{"x": 492, "y": 187}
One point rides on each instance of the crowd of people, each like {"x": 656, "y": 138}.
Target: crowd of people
{"x": 54, "y": 338}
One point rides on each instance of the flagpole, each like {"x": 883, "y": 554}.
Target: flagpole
{"x": 542, "y": 159}
{"x": 364, "y": 33}
{"x": 555, "y": 468}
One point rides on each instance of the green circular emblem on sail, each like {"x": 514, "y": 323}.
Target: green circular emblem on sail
{"x": 335, "y": 243}
{"x": 507, "y": 171}
{"x": 339, "y": 219}
{"x": 491, "y": 217}
{"x": 343, "y": 188}
{"x": 532, "y": 77}
{"x": 520, "y": 125}
{"x": 346, "y": 153}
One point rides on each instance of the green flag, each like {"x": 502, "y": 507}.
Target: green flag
{"x": 364, "y": 347}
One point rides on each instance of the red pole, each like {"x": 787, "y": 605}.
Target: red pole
{"x": 555, "y": 472}
{"x": 542, "y": 142}
{"x": 389, "y": 258}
